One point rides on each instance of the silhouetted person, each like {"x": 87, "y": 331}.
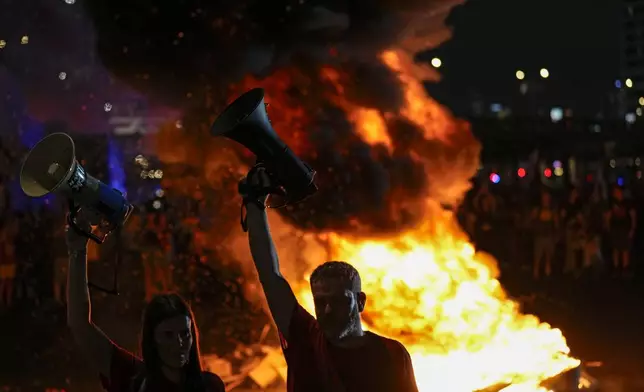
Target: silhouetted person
{"x": 574, "y": 224}
{"x": 169, "y": 339}
{"x": 621, "y": 220}
{"x": 545, "y": 226}
{"x": 332, "y": 352}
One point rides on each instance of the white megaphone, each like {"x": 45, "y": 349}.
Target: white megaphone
{"x": 51, "y": 166}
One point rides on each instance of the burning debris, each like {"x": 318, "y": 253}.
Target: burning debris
{"x": 345, "y": 94}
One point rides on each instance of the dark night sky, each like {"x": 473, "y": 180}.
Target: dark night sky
{"x": 577, "y": 42}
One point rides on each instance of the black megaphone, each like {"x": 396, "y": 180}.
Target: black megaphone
{"x": 51, "y": 166}
{"x": 246, "y": 122}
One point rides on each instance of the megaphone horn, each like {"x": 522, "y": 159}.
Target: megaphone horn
{"x": 246, "y": 122}
{"x": 51, "y": 167}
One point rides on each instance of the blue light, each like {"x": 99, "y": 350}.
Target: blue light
{"x": 31, "y": 131}
{"x": 115, "y": 166}
{"x": 618, "y": 84}
{"x": 620, "y": 181}
{"x": 495, "y": 178}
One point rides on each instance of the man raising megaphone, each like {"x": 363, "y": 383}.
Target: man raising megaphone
{"x": 329, "y": 353}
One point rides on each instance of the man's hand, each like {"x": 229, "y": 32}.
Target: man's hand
{"x": 255, "y": 185}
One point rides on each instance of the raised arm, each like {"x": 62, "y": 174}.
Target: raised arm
{"x": 279, "y": 294}
{"x": 93, "y": 342}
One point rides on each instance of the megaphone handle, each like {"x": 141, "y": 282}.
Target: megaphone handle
{"x": 271, "y": 190}
{"x": 71, "y": 220}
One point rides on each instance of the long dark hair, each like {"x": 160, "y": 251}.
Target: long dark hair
{"x": 160, "y": 308}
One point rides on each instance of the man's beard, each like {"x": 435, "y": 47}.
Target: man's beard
{"x": 339, "y": 329}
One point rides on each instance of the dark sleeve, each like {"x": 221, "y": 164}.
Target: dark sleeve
{"x": 123, "y": 367}
{"x": 405, "y": 369}
{"x": 303, "y": 331}
{"x": 214, "y": 383}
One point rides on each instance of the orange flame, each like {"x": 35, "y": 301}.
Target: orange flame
{"x": 428, "y": 287}
{"x": 369, "y": 124}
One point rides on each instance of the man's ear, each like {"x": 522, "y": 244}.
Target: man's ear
{"x": 362, "y": 301}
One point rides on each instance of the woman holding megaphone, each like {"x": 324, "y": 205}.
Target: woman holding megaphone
{"x": 170, "y": 358}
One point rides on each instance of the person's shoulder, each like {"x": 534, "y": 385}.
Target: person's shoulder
{"x": 214, "y": 383}
{"x": 392, "y": 345}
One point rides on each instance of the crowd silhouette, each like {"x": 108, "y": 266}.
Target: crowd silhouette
{"x": 582, "y": 230}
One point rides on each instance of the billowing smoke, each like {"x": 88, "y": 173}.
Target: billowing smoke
{"x": 171, "y": 48}
{"x": 316, "y": 60}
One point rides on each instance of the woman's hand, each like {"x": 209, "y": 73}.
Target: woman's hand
{"x": 76, "y": 241}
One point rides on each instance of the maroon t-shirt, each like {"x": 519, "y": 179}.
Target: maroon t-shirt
{"x": 125, "y": 367}
{"x": 314, "y": 365}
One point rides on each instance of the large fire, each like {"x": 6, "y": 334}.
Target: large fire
{"x": 430, "y": 290}
{"x": 427, "y": 287}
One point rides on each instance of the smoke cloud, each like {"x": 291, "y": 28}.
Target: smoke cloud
{"x": 196, "y": 56}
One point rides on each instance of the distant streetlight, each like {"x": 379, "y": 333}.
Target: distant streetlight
{"x": 628, "y": 83}
{"x": 641, "y": 101}
{"x": 520, "y": 75}
{"x": 544, "y": 73}
{"x": 436, "y": 62}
